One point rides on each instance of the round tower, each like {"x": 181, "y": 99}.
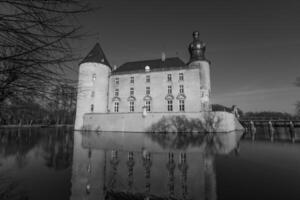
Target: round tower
{"x": 197, "y": 59}
{"x": 93, "y": 80}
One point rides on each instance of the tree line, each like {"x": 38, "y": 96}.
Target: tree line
{"x": 57, "y": 108}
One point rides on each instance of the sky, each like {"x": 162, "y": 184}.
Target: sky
{"x": 253, "y": 46}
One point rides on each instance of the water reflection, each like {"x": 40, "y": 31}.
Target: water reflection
{"x": 143, "y": 166}
{"x": 27, "y": 159}
{"x": 62, "y": 164}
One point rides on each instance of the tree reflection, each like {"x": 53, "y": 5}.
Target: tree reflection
{"x": 179, "y": 124}
{"x": 56, "y": 146}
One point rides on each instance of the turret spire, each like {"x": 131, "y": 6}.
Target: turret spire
{"x": 96, "y": 55}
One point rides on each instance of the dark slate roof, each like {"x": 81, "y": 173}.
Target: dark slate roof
{"x": 153, "y": 64}
{"x": 96, "y": 55}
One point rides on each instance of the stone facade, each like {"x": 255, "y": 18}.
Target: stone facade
{"x": 162, "y": 90}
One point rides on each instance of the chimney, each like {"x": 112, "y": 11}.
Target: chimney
{"x": 163, "y": 56}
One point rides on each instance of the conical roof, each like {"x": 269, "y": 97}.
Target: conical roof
{"x": 96, "y": 55}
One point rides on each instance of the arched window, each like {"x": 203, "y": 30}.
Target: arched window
{"x": 148, "y": 106}
{"x": 170, "y": 105}
{"x": 181, "y": 105}
{"x": 131, "y": 106}
{"x": 116, "y": 107}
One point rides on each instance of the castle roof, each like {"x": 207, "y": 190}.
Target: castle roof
{"x": 96, "y": 55}
{"x": 173, "y": 62}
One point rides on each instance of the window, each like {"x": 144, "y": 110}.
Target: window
{"x": 117, "y": 81}
{"x": 181, "y": 105}
{"x": 148, "y": 106}
{"x": 181, "y": 77}
{"x": 131, "y": 91}
{"x": 181, "y": 89}
{"x": 147, "y": 68}
{"x": 131, "y": 106}
{"x": 92, "y": 108}
{"x": 169, "y": 89}
{"x": 147, "y": 79}
{"x": 116, "y": 108}
{"x": 132, "y": 79}
{"x": 94, "y": 77}
{"x": 116, "y": 92}
{"x": 169, "y": 77}
{"x": 93, "y": 94}
{"x": 147, "y": 90}
{"x": 170, "y": 105}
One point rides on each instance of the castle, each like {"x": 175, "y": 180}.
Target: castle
{"x": 141, "y": 92}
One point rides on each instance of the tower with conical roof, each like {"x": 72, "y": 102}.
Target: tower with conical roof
{"x": 197, "y": 59}
{"x": 93, "y": 81}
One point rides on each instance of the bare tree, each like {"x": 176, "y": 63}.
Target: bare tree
{"x": 35, "y": 45}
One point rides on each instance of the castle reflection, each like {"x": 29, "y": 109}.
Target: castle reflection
{"x": 147, "y": 166}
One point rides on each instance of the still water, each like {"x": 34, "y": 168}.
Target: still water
{"x": 63, "y": 164}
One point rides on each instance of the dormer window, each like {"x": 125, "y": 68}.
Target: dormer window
{"x": 147, "y": 68}
{"x": 169, "y": 77}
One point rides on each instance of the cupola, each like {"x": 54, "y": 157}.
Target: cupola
{"x": 196, "y": 48}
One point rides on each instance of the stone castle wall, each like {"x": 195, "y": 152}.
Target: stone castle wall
{"x": 162, "y": 122}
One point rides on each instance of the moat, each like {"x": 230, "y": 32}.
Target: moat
{"x": 49, "y": 163}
